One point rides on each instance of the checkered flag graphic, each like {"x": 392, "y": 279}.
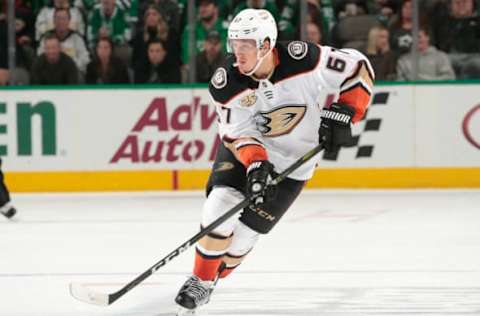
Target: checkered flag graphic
{"x": 369, "y": 125}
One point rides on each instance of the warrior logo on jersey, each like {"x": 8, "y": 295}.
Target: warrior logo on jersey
{"x": 219, "y": 78}
{"x": 297, "y": 49}
{"x": 248, "y": 100}
{"x": 224, "y": 166}
{"x": 280, "y": 121}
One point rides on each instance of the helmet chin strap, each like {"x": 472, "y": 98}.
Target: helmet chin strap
{"x": 257, "y": 65}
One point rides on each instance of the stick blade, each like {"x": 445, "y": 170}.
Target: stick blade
{"x": 83, "y": 294}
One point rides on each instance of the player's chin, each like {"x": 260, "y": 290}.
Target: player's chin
{"x": 244, "y": 69}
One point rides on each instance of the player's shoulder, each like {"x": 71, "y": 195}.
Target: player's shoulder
{"x": 297, "y": 56}
{"x": 340, "y": 60}
{"x": 330, "y": 54}
{"x": 227, "y": 82}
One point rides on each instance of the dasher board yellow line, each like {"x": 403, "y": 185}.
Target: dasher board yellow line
{"x": 78, "y": 181}
{"x": 389, "y": 178}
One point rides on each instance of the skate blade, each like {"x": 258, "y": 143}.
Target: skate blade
{"x": 182, "y": 311}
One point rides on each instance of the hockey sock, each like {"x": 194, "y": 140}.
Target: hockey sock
{"x": 226, "y": 271}
{"x": 208, "y": 257}
{"x": 231, "y": 262}
{"x": 206, "y": 266}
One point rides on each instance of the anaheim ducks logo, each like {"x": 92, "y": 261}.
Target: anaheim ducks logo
{"x": 280, "y": 121}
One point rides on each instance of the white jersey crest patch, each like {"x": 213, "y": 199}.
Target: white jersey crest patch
{"x": 219, "y": 78}
{"x": 297, "y": 49}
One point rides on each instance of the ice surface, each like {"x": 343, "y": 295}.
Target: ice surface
{"x": 334, "y": 253}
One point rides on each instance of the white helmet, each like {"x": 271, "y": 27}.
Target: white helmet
{"x": 256, "y": 24}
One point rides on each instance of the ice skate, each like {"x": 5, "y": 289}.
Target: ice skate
{"x": 193, "y": 294}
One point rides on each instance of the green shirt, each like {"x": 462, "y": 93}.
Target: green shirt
{"x": 117, "y": 25}
{"x": 200, "y": 34}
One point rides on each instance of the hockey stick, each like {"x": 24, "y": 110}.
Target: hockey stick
{"x": 80, "y": 292}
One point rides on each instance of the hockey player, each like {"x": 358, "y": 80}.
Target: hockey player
{"x": 5, "y": 207}
{"x": 266, "y": 100}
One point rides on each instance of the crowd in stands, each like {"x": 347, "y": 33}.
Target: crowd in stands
{"x": 147, "y": 41}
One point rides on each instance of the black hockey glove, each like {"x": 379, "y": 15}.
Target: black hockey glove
{"x": 335, "y": 129}
{"x": 259, "y": 174}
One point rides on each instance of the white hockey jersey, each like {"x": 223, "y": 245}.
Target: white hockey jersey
{"x": 281, "y": 113}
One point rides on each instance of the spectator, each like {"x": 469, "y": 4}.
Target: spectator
{"x": 384, "y": 10}
{"x": 458, "y": 34}
{"x": 23, "y": 55}
{"x": 225, "y": 8}
{"x": 157, "y": 69}
{"x": 72, "y": 42}
{"x": 105, "y": 67}
{"x": 208, "y": 20}
{"x": 432, "y": 63}
{"x": 155, "y": 27}
{"x": 353, "y": 26}
{"x": 54, "y": 66}
{"x": 210, "y": 58}
{"x": 109, "y": 21}
{"x": 401, "y": 28}
{"x": 24, "y": 20}
{"x": 168, "y": 9}
{"x": 45, "y": 21}
{"x": 459, "y": 28}
{"x": 320, "y": 12}
{"x": 24, "y": 33}
{"x": 463, "y": 8}
{"x": 314, "y": 33}
{"x": 383, "y": 60}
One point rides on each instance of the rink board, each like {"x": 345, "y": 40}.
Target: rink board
{"x": 88, "y": 139}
